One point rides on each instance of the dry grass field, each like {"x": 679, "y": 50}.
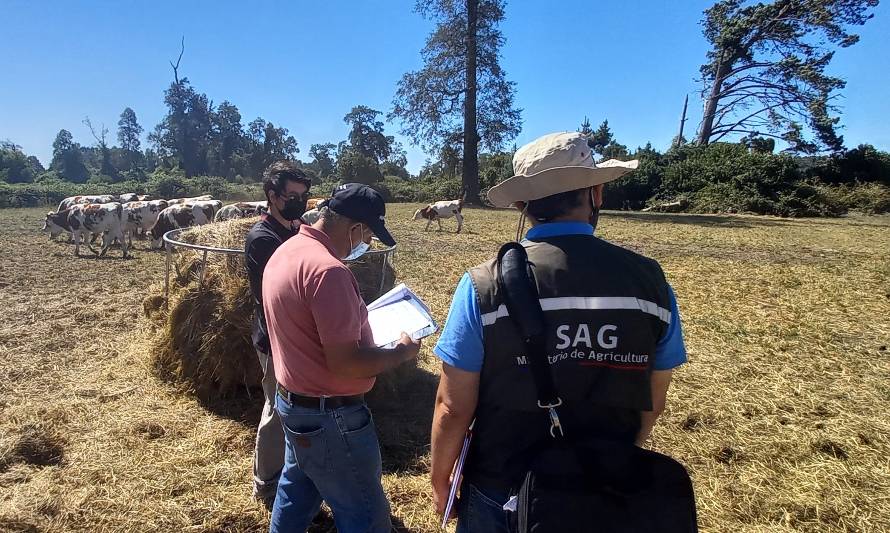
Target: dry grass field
{"x": 781, "y": 414}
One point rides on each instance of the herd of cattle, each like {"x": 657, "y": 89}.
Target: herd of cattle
{"x": 118, "y": 218}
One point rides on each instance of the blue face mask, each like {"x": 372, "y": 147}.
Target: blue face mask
{"x": 358, "y": 250}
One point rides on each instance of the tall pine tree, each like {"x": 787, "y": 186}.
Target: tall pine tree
{"x": 461, "y": 96}
{"x": 128, "y": 133}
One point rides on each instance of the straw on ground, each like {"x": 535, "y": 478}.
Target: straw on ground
{"x": 780, "y": 415}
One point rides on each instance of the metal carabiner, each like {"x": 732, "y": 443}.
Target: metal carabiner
{"x": 554, "y": 424}
{"x": 554, "y": 418}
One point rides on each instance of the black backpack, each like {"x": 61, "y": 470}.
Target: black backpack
{"x": 582, "y": 484}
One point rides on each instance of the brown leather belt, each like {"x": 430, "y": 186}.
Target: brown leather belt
{"x": 328, "y": 403}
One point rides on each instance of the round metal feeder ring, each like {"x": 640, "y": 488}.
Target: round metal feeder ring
{"x": 171, "y": 240}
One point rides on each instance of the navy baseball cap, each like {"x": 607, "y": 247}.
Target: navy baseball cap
{"x": 362, "y": 204}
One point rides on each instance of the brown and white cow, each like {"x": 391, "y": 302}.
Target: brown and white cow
{"x": 179, "y": 216}
{"x": 90, "y": 220}
{"x": 202, "y": 198}
{"x": 85, "y": 199}
{"x": 240, "y": 210}
{"x": 439, "y": 210}
{"x": 141, "y": 216}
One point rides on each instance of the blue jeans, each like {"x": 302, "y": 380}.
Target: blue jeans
{"x": 332, "y": 456}
{"x": 481, "y": 512}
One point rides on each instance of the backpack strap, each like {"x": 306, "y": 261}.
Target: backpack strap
{"x": 516, "y": 281}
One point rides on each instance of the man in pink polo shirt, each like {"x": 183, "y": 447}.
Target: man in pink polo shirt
{"x": 325, "y": 361}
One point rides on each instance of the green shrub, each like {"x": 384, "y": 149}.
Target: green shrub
{"x": 213, "y": 185}
{"x": 869, "y": 198}
{"x": 250, "y": 192}
{"x": 395, "y": 189}
{"x": 725, "y": 177}
{"x": 166, "y": 185}
{"x": 633, "y": 190}
{"x": 862, "y": 164}
{"x": 720, "y": 178}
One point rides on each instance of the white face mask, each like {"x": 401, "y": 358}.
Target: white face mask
{"x": 358, "y": 250}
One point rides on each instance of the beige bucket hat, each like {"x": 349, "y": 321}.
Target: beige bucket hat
{"x": 555, "y": 163}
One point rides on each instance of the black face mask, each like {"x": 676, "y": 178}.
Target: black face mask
{"x": 293, "y": 208}
{"x": 595, "y": 213}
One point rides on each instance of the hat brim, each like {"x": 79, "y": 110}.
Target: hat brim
{"x": 382, "y": 233}
{"x": 556, "y": 180}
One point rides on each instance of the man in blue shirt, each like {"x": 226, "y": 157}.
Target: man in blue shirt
{"x": 460, "y": 344}
{"x": 594, "y": 291}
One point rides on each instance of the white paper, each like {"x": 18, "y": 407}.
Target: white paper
{"x": 396, "y": 293}
{"x": 397, "y": 311}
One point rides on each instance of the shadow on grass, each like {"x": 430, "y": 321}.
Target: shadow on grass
{"x": 244, "y": 408}
{"x": 724, "y": 221}
{"x": 401, "y": 403}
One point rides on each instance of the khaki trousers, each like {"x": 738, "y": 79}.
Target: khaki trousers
{"x": 268, "y": 458}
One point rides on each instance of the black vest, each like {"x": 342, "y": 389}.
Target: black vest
{"x": 606, "y": 308}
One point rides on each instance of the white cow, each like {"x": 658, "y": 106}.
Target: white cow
{"x": 141, "y": 216}
{"x": 179, "y": 216}
{"x": 127, "y": 197}
{"x": 439, "y": 210}
{"x": 240, "y": 210}
{"x": 89, "y": 220}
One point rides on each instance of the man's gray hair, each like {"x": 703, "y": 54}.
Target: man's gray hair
{"x": 330, "y": 215}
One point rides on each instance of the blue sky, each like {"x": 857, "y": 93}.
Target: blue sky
{"x": 303, "y": 65}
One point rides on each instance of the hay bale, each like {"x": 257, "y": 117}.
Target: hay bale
{"x": 203, "y": 337}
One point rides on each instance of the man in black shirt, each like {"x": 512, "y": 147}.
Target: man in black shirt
{"x": 287, "y": 190}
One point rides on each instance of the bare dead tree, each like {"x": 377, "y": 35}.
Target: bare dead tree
{"x": 103, "y": 131}
{"x": 106, "y": 167}
{"x": 679, "y": 139}
{"x": 176, "y": 66}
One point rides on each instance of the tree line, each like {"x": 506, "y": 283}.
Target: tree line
{"x": 198, "y": 138}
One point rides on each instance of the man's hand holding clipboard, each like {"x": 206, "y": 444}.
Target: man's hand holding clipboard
{"x": 399, "y": 311}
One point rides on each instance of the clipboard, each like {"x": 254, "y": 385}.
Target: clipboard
{"x": 396, "y": 311}
{"x": 458, "y": 473}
